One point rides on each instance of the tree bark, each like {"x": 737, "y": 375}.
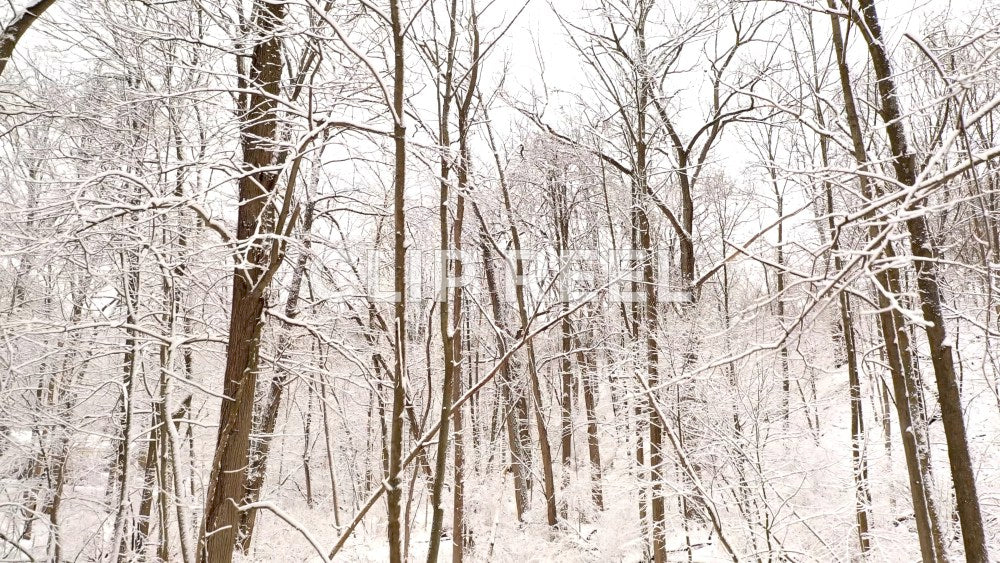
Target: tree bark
{"x": 859, "y": 463}
{"x": 395, "y": 493}
{"x": 907, "y": 386}
{"x": 461, "y": 535}
{"x": 227, "y": 484}
{"x": 261, "y": 446}
{"x": 588, "y": 372}
{"x": 921, "y": 246}
{"x": 651, "y": 308}
{"x": 17, "y": 28}
{"x": 512, "y": 404}
{"x": 444, "y": 295}
{"x": 560, "y": 211}
{"x": 548, "y": 476}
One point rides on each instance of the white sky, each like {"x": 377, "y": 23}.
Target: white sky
{"x": 538, "y": 52}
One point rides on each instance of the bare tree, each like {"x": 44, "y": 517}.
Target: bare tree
{"x": 922, "y": 246}
{"x": 258, "y": 262}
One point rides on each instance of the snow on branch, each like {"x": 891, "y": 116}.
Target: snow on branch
{"x": 13, "y": 32}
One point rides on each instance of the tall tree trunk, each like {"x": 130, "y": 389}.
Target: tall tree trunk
{"x": 588, "y": 372}
{"x": 651, "y": 307}
{"x": 268, "y": 419}
{"x": 521, "y": 404}
{"x": 259, "y": 131}
{"x": 906, "y": 383}
{"x": 635, "y": 332}
{"x": 307, "y": 445}
{"x": 780, "y": 284}
{"x": 149, "y": 482}
{"x": 395, "y": 494}
{"x": 444, "y": 295}
{"x": 460, "y": 534}
{"x": 560, "y": 210}
{"x": 921, "y": 246}
{"x": 548, "y": 476}
{"x": 512, "y": 403}
{"x": 329, "y": 453}
{"x": 859, "y": 463}
{"x": 123, "y": 450}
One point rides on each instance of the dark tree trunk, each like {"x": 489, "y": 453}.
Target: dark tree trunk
{"x": 922, "y": 247}
{"x": 906, "y": 383}
{"x": 588, "y": 372}
{"x": 227, "y": 484}
{"x": 268, "y": 419}
{"x": 395, "y": 493}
